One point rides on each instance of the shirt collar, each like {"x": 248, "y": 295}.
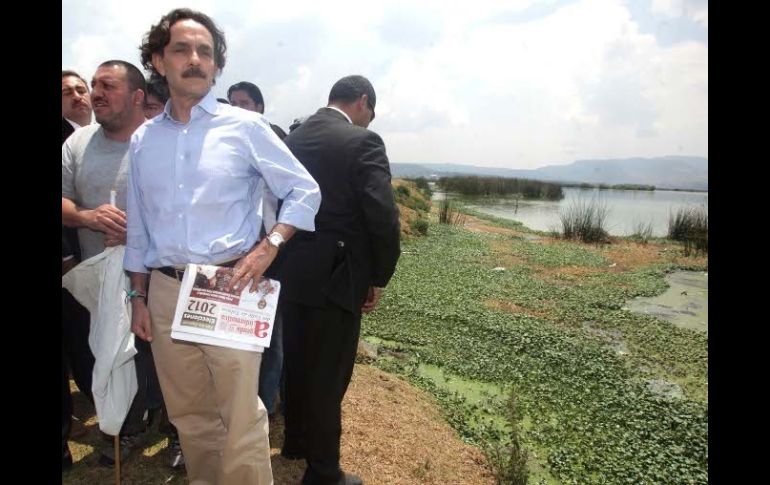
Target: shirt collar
{"x": 208, "y": 103}
{"x": 74, "y": 125}
{"x": 343, "y": 113}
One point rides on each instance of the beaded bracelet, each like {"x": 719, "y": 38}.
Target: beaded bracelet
{"x": 130, "y": 295}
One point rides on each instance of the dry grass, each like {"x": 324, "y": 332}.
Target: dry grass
{"x": 501, "y": 255}
{"x": 405, "y": 218}
{"x": 573, "y": 271}
{"x": 509, "y": 307}
{"x": 392, "y": 434}
{"x": 625, "y": 255}
{"x": 475, "y": 224}
{"x": 629, "y": 255}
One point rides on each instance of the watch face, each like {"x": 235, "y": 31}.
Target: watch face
{"x": 275, "y": 239}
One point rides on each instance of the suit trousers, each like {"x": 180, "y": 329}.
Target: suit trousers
{"x": 76, "y": 357}
{"x": 211, "y": 398}
{"x": 271, "y": 370}
{"x": 319, "y": 353}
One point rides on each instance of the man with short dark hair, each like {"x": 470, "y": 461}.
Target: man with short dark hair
{"x": 157, "y": 95}
{"x": 247, "y": 95}
{"x": 94, "y": 161}
{"x": 95, "y": 165}
{"x": 329, "y": 279}
{"x": 75, "y": 100}
{"x": 192, "y": 199}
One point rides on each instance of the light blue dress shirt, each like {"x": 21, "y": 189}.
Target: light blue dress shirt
{"x": 194, "y": 188}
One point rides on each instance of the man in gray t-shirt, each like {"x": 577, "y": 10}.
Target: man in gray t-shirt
{"x": 94, "y": 165}
{"x": 95, "y": 159}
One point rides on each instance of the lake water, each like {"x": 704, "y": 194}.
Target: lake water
{"x": 627, "y": 208}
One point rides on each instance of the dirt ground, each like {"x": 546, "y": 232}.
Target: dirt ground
{"x": 392, "y": 433}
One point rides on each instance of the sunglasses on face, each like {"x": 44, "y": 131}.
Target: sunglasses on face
{"x": 371, "y": 108}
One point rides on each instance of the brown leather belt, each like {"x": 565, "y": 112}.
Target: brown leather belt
{"x": 179, "y": 273}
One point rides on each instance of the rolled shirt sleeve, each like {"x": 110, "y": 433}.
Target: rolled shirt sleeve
{"x": 286, "y": 177}
{"x": 193, "y": 190}
{"x": 67, "y": 171}
{"x": 137, "y": 240}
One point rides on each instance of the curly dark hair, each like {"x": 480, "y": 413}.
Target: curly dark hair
{"x": 158, "y": 37}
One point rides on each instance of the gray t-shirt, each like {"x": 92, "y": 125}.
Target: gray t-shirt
{"x": 91, "y": 166}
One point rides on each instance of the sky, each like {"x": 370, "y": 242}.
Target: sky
{"x": 516, "y": 84}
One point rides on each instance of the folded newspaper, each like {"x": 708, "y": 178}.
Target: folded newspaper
{"x": 207, "y": 313}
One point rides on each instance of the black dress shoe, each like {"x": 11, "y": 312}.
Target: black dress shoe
{"x": 128, "y": 443}
{"x": 345, "y": 479}
{"x": 66, "y": 460}
{"x": 292, "y": 455}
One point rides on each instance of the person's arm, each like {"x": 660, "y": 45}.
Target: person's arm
{"x": 105, "y": 218}
{"x": 288, "y": 179}
{"x": 137, "y": 235}
{"x": 137, "y": 243}
{"x": 372, "y": 298}
{"x": 373, "y": 185}
{"x": 253, "y": 265}
{"x": 372, "y": 182}
{"x": 140, "y": 314}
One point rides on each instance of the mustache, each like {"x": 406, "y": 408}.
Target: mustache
{"x": 194, "y": 72}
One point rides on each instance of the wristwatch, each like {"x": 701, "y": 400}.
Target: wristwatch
{"x": 275, "y": 239}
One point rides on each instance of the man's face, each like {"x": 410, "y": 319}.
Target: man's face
{"x": 112, "y": 97}
{"x": 152, "y": 106}
{"x": 75, "y": 100}
{"x": 188, "y": 60}
{"x": 242, "y": 99}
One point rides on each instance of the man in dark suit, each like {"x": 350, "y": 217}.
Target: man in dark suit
{"x": 76, "y": 354}
{"x": 75, "y": 112}
{"x": 331, "y": 276}
{"x": 75, "y": 102}
{"x": 66, "y": 129}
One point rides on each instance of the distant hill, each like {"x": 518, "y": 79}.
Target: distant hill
{"x": 674, "y": 172}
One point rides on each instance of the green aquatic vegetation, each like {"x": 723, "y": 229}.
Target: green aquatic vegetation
{"x": 580, "y": 361}
{"x": 558, "y": 254}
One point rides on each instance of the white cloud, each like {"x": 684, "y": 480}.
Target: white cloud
{"x": 454, "y": 84}
{"x": 696, "y": 10}
{"x": 702, "y": 17}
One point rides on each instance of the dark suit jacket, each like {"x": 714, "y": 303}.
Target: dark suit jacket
{"x": 69, "y": 235}
{"x": 66, "y": 130}
{"x": 356, "y": 241}
{"x": 278, "y": 131}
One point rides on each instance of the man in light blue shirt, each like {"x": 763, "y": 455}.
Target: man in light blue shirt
{"x": 193, "y": 187}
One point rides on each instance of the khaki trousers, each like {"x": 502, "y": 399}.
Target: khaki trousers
{"x": 211, "y": 397}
